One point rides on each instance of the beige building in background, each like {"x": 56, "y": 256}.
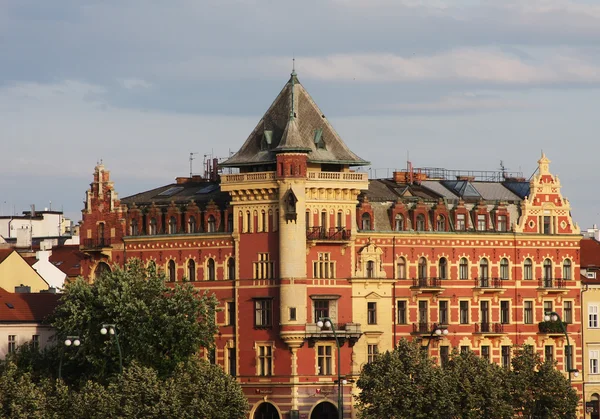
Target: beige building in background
{"x": 590, "y": 304}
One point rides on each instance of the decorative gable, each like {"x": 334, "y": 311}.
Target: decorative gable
{"x": 370, "y": 263}
{"x": 545, "y": 211}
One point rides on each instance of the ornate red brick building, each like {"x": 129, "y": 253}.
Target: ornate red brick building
{"x": 298, "y": 235}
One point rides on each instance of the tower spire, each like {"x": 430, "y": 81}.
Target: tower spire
{"x": 293, "y": 79}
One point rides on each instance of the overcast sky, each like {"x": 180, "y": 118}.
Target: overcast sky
{"x": 459, "y": 84}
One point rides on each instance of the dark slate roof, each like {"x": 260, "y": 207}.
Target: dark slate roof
{"x": 282, "y": 129}
{"x": 201, "y": 192}
{"x": 388, "y": 190}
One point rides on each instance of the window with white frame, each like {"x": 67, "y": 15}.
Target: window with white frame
{"x": 264, "y": 360}
{"x": 372, "y": 350}
{"x": 401, "y": 268}
{"x": 324, "y": 360}
{"x": 324, "y": 267}
{"x": 528, "y": 269}
{"x": 594, "y": 355}
{"x": 263, "y": 312}
{"x": 399, "y": 222}
{"x": 501, "y": 223}
{"x": 12, "y": 343}
{"x": 567, "y": 269}
{"x": 460, "y": 222}
{"x": 481, "y": 222}
{"x": 504, "y": 268}
{"x": 593, "y": 316}
{"x": 463, "y": 269}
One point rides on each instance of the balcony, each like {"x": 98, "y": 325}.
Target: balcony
{"x": 95, "y": 244}
{"x": 339, "y": 234}
{"x": 424, "y": 328}
{"x": 343, "y": 176}
{"x": 433, "y": 285}
{"x": 552, "y": 285}
{"x": 489, "y": 329}
{"x": 552, "y": 329}
{"x": 484, "y": 285}
{"x": 350, "y": 332}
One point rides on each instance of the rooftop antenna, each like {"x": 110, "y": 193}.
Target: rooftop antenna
{"x": 191, "y": 159}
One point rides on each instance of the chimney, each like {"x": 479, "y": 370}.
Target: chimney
{"x": 22, "y": 289}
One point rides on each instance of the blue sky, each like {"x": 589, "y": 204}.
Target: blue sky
{"x": 142, "y": 83}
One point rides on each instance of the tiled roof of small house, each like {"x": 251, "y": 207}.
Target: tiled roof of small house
{"x": 26, "y": 307}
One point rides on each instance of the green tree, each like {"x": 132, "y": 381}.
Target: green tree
{"x": 538, "y": 389}
{"x": 19, "y": 395}
{"x": 479, "y": 387}
{"x": 404, "y": 383}
{"x": 158, "y": 326}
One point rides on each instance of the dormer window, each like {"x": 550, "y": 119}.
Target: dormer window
{"x": 267, "y": 140}
{"x": 399, "y": 223}
{"x": 366, "y": 222}
{"x": 420, "y": 222}
{"x": 319, "y": 141}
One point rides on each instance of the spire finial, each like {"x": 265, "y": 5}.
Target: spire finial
{"x": 293, "y": 79}
{"x": 293, "y": 66}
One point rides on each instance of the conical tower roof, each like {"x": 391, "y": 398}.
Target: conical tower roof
{"x": 294, "y": 122}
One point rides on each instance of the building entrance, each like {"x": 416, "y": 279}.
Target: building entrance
{"x": 324, "y": 410}
{"x": 266, "y": 411}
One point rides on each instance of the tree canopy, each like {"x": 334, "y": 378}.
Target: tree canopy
{"x": 406, "y": 383}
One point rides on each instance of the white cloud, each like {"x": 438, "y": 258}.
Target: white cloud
{"x": 458, "y": 103}
{"x": 134, "y": 83}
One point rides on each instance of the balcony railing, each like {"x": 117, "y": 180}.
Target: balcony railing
{"x": 552, "y": 283}
{"x": 491, "y": 328}
{"x": 427, "y": 283}
{"x": 96, "y": 243}
{"x": 344, "y": 331}
{"x": 493, "y": 283}
{"x": 424, "y": 328}
{"x": 333, "y": 233}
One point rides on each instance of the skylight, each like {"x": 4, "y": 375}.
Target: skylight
{"x": 9, "y": 305}
{"x": 171, "y": 191}
{"x": 208, "y": 189}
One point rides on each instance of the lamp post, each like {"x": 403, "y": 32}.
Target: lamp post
{"x": 69, "y": 341}
{"x": 553, "y": 316}
{"x": 436, "y": 332}
{"x": 111, "y": 329}
{"x": 326, "y": 322}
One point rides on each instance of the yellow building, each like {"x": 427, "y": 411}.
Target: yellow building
{"x": 590, "y": 301}
{"x": 15, "y": 272}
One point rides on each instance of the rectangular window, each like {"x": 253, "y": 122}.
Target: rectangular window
{"x": 506, "y": 356}
{"x": 485, "y": 352}
{"x": 548, "y": 307}
{"x": 212, "y": 356}
{"x": 402, "y": 318}
{"x": 263, "y": 312}
{"x": 371, "y": 313}
{"x": 231, "y": 361}
{"x": 594, "y": 355}
{"x": 547, "y": 225}
{"x": 567, "y": 312}
{"x": 528, "y": 270}
{"x": 373, "y": 350}
{"x": 35, "y": 341}
{"x": 504, "y": 312}
{"x": 230, "y": 313}
{"x": 292, "y": 313}
{"x": 502, "y": 223}
{"x": 443, "y": 312}
{"x": 444, "y": 354}
{"x": 460, "y": 222}
{"x": 464, "y": 312}
{"x": 263, "y": 267}
{"x": 423, "y": 312}
{"x": 321, "y": 309}
{"x": 464, "y": 349}
{"x": 265, "y": 360}
{"x": 593, "y": 316}
{"x": 324, "y": 267}
{"x": 481, "y": 222}
{"x": 549, "y": 353}
{"x": 324, "y": 360}
{"x": 12, "y": 343}
{"x": 528, "y": 312}
{"x": 569, "y": 357}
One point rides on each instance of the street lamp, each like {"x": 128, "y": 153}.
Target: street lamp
{"x": 111, "y": 329}
{"x": 438, "y": 332}
{"x": 553, "y": 316}
{"x": 326, "y": 322}
{"x": 74, "y": 341}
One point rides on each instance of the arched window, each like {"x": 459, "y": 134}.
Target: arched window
{"x": 172, "y": 225}
{"x": 420, "y": 222}
{"x": 230, "y": 222}
{"x": 443, "y": 268}
{"x": 191, "y": 270}
{"x": 211, "y": 224}
{"x": 101, "y": 269}
{"x": 547, "y": 269}
{"x": 504, "y": 268}
{"x": 422, "y": 268}
{"x": 172, "y": 271}
{"x": 152, "y": 227}
{"x": 263, "y": 221}
{"x": 484, "y": 269}
{"x": 323, "y": 220}
{"x": 463, "y": 269}
{"x": 370, "y": 269}
{"x": 101, "y": 234}
{"x": 248, "y": 228}
{"x": 210, "y": 270}
{"x": 192, "y": 224}
{"x": 567, "y": 269}
{"x": 366, "y": 221}
{"x": 401, "y": 268}
{"x": 307, "y": 220}
{"x": 528, "y": 269}
{"x": 441, "y": 223}
{"x": 231, "y": 268}
{"x": 133, "y": 227}
{"x": 399, "y": 222}
{"x": 340, "y": 220}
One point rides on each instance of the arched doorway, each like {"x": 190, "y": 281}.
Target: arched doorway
{"x": 595, "y": 414}
{"x": 101, "y": 268}
{"x": 324, "y": 410}
{"x": 266, "y": 411}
